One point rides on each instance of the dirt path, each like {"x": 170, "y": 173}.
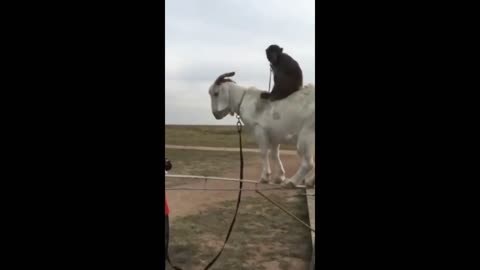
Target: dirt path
{"x": 183, "y": 203}
{"x": 228, "y": 149}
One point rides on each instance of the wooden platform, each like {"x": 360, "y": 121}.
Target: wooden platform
{"x": 311, "y": 216}
{"x": 311, "y": 210}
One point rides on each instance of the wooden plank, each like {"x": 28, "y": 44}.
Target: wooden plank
{"x": 311, "y": 214}
{"x": 311, "y": 209}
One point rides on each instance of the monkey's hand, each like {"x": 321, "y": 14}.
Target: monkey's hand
{"x": 265, "y": 95}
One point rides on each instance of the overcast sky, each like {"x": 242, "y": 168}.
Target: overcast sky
{"x": 205, "y": 38}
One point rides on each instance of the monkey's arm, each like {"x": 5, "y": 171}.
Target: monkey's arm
{"x": 282, "y": 88}
{"x": 265, "y": 94}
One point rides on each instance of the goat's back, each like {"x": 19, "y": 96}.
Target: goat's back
{"x": 298, "y": 105}
{"x": 284, "y": 119}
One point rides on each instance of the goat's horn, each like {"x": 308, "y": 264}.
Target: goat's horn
{"x": 221, "y": 78}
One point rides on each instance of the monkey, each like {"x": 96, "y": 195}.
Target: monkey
{"x": 287, "y": 74}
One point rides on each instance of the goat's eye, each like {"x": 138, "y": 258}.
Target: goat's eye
{"x": 215, "y": 94}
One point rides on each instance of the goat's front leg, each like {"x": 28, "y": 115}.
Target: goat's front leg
{"x": 279, "y": 175}
{"x": 263, "y": 144}
{"x": 266, "y": 172}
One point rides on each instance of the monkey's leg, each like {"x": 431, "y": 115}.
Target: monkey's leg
{"x": 265, "y": 95}
{"x": 284, "y": 91}
{"x": 276, "y": 92}
{"x": 281, "y": 93}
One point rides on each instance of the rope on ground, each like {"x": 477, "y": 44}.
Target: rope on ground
{"x": 239, "y": 128}
{"x": 286, "y": 211}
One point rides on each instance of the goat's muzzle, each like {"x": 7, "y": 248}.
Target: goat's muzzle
{"x": 221, "y": 114}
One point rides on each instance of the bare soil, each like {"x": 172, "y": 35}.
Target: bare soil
{"x": 263, "y": 237}
{"x": 192, "y": 202}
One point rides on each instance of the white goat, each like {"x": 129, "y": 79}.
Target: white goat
{"x": 286, "y": 121}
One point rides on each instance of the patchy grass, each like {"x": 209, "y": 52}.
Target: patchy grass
{"x": 214, "y": 136}
{"x": 263, "y": 237}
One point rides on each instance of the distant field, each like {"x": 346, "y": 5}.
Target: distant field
{"x": 203, "y": 163}
{"x": 215, "y": 136}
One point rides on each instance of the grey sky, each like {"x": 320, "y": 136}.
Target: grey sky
{"x": 205, "y": 38}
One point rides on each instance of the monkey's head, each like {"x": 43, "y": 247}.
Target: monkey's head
{"x": 273, "y": 53}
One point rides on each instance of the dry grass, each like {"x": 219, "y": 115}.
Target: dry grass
{"x": 214, "y": 136}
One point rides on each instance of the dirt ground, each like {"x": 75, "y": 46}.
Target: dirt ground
{"x": 193, "y": 202}
{"x": 263, "y": 237}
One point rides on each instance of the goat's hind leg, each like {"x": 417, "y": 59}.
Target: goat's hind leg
{"x": 306, "y": 153}
{"x": 305, "y": 167}
{"x": 310, "y": 177}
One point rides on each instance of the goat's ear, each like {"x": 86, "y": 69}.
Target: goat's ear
{"x": 281, "y": 50}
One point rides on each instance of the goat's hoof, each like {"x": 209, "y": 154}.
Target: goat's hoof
{"x": 288, "y": 185}
{"x": 279, "y": 180}
{"x": 310, "y": 183}
{"x": 264, "y": 181}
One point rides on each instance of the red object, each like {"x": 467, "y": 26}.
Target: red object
{"x": 167, "y": 211}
